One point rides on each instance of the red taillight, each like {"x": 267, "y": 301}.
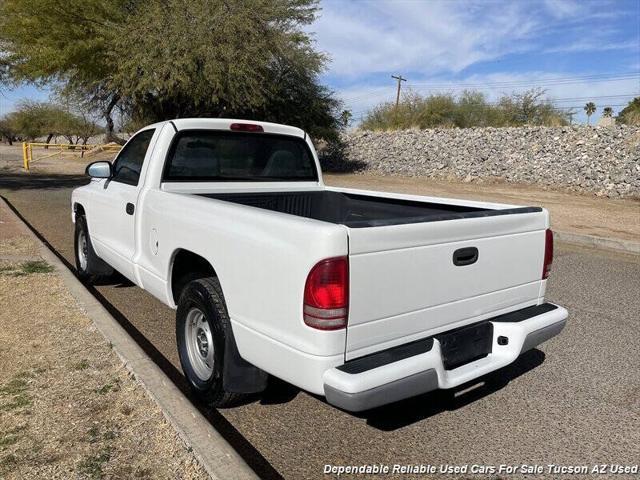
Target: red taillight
{"x": 246, "y": 127}
{"x": 326, "y": 295}
{"x": 548, "y": 253}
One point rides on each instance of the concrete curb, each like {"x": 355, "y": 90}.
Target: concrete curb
{"x": 214, "y": 453}
{"x": 612, "y": 244}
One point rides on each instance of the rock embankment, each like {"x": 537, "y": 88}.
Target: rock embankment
{"x": 603, "y": 161}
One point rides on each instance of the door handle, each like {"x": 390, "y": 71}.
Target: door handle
{"x": 465, "y": 256}
{"x": 130, "y": 208}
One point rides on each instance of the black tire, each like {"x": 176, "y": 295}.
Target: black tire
{"x": 205, "y": 296}
{"x": 94, "y": 269}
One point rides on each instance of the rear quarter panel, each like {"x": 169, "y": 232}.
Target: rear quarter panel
{"x": 262, "y": 259}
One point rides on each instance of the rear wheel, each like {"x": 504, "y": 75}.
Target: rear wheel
{"x": 90, "y": 267}
{"x": 202, "y": 327}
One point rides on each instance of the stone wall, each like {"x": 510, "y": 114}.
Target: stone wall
{"x": 604, "y": 161}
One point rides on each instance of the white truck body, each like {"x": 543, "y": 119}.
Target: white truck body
{"x": 403, "y": 288}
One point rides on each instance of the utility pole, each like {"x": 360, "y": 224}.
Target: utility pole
{"x": 400, "y": 79}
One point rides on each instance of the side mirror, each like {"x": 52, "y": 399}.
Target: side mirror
{"x": 99, "y": 170}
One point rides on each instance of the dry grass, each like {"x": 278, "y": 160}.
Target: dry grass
{"x": 68, "y": 408}
{"x": 18, "y": 246}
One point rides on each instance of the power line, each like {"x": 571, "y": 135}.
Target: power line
{"x": 549, "y": 80}
{"x": 480, "y": 87}
{"x": 572, "y": 99}
{"x": 599, "y": 97}
{"x": 552, "y": 80}
{"x": 368, "y": 92}
{"x": 581, "y": 106}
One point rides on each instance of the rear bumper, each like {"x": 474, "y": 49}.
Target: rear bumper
{"x": 412, "y": 369}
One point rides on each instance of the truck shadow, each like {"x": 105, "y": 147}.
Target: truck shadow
{"x": 406, "y": 412}
{"x": 277, "y": 392}
{"x": 38, "y": 181}
{"x": 334, "y": 159}
{"x": 120, "y": 281}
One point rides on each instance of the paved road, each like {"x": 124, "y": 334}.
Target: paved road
{"x": 574, "y": 401}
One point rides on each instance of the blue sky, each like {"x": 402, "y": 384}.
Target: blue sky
{"x": 576, "y": 50}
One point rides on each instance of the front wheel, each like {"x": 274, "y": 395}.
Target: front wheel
{"x": 90, "y": 267}
{"x": 202, "y": 326}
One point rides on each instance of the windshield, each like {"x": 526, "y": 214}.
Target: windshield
{"x": 211, "y": 155}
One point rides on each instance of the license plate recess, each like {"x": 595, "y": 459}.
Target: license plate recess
{"x": 465, "y": 345}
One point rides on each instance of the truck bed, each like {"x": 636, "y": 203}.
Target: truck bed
{"x": 358, "y": 211}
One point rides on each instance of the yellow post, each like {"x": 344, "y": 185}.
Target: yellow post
{"x": 25, "y": 159}
{"x": 30, "y": 152}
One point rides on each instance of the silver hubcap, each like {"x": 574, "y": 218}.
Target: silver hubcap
{"x": 197, "y": 334}
{"x": 82, "y": 250}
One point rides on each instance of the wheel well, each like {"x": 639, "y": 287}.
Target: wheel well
{"x": 188, "y": 266}
{"x": 78, "y": 209}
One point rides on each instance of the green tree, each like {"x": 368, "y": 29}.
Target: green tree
{"x": 31, "y": 120}
{"x": 590, "y": 108}
{"x": 76, "y": 128}
{"x": 631, "y": 113}
{"x": 40, "y": 119}
{"x": 4, "y": 67}
{"x": 161, "y": 59}
{"x": 8, "y": 131}
{"x": 65, "y": 44}
{"x": 607, "y": 112}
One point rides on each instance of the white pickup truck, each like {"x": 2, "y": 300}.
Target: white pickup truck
{"x": 364, "y": 297}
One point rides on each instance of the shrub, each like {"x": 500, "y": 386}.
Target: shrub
{"x": 470, "y": 109}
{"x": 630, "y": 114}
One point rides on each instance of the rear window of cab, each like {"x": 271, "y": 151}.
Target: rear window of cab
{"x": 213, "y": 155}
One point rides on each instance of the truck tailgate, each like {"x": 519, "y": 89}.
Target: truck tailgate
{"x": 405, "y": 284}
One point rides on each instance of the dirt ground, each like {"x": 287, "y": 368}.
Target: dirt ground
{"x": 570, "y": 212}
{"x": 68, "y": 407}
{"x": 71, "y": 164}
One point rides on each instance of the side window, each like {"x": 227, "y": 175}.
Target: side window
{"x": 129, "y": 163}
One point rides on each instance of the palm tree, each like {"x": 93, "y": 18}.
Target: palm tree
{"x": 345, "y": 118}
{"x": 590, "y": 108}
{"x": 607, "y": 112}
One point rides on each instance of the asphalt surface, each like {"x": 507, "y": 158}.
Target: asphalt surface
{"x": 573, "y": 401}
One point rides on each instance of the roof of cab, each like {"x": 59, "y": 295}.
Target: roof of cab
{"x": 225, "y": 124}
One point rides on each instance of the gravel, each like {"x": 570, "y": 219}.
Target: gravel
{"x": 604, "y": 161}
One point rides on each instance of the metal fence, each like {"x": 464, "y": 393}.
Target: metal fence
{"x": 48, "y": 150}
